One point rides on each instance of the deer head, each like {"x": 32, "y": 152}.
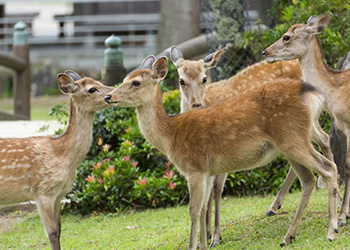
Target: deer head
{"x": 192, "y": 77}
{"x": 295, "y": 43}
{"x": 86, "y": 91}
{"x": 140, "y": 86}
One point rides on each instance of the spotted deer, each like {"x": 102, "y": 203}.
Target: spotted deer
{"x": 195, "y": 92}
{"x": 301, "y": 42}
{"x": 42, "y": 168}
{"x": 238, "y": 134}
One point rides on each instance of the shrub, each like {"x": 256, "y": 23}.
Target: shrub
{"x": 335, "y": 41}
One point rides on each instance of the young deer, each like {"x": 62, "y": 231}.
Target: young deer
{"x": 301, "y": 42}
{"x": 239, "y": 134}
{"x": 195, "y": 92}
{"x": 43, "y": 168}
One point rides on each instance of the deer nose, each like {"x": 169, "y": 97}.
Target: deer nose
{"x": 107, "y": 98}
{"x": 197, "y": 105}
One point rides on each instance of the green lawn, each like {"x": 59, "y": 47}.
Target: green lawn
{"x": 244, "y": 226}
{"x": 40, "y": 106}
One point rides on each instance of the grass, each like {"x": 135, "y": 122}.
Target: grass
{"x": 244, "y": 226}
{"x": 39, "y": 108}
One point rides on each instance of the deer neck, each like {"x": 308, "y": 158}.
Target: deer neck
{"x": 154, "y": 122}
{"x": 314, "y": 69}
{"x": 75, "y": 142}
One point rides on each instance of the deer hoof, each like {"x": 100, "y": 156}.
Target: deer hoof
{"x": 213, "y": 244}
{"x": 336, "y": 230}
{"x": 283, "y": 244}
{"x": 330, "y": 240}
{"x": 270, "y": 213}
{"x": 292, "y": 238}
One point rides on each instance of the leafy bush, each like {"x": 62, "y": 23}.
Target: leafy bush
{"x": 335, "y": 41}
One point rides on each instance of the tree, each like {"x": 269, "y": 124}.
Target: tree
{"x": 179, "y": 21}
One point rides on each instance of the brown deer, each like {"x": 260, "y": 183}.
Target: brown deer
{"x": 196, "y": 93}
{"x": 239, "y": 134}
{"x": 301, "y": 42}
{"x": 43, "y": 168}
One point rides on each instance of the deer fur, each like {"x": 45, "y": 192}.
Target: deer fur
{"x": 239, "y": 134}
{"x": 195, "y": 90}
{"x": 43, "y": 168}
{"x": 301, "y": 42}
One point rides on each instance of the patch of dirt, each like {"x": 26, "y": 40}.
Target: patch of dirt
{"x": 9, "y": 216}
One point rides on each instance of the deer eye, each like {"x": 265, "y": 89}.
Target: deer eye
{"x": 286, "y": 38}
{"x": 136, "y": 83}
{"x": 92, "y": 90}
{"x": 205, "y": 79}
{"x": 182, "y": 82}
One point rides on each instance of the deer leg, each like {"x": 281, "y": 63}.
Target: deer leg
{"x": 322, "y": 140}
{"x": 282, "y": 193}
{"x": 203, "y": 233}
{"x": 344, "y": 211}
{"x": 197, "y": 184}
{"x": 328, "y": 170}
{"x": 57, "y": 214}
{"x": 308, "y": 181}
{"x": 218, "y": 187}
{"x": 209, "y": 211}
{"x": 49, "y": 218}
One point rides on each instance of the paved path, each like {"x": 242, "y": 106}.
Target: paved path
{"x": 27, "y": 128}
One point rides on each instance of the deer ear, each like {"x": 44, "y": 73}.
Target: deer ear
{"x": 175, "y": 55}
{"x": 160, "y": 68}
{"x": 66, "y": 84}
{"x": 74, "y": 75}
{"x": 211, "y": 60}
{"x": 317, "y": 24}
{"x": 148, "y": 62}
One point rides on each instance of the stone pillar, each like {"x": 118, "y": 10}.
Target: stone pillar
{"x": 114, "y": 71}
{"x": 21, "y": 79}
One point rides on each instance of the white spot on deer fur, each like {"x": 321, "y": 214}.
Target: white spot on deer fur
{"x": 3, "y": 160}
{"x": 287, "y": 68}
{"x": 9, "y": 145}
{"x": 1, "y": 177}
{"x": 3, "y": 151}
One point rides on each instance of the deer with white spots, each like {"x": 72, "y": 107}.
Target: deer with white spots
{"x": 195, "y": 92}
{"x": 301, "y": 42}
{"x": 43, "y": 168}
{"x": 241, "y": 133}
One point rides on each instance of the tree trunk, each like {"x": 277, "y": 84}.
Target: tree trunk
{"x": 179, "y": 21}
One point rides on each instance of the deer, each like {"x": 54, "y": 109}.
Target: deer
{"x": 42, "y": 168}
{"x": 195, "y": 92}
{"x": 241, "y": 133}
{"x": 301, "y": 42}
